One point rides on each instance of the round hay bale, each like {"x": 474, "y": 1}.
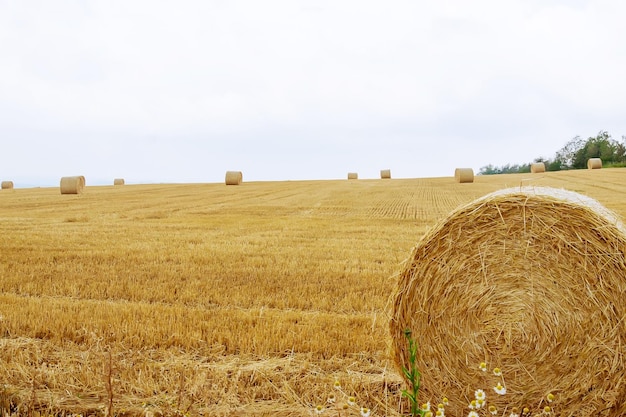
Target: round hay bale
{"x": 537, "y": 167}
{"x": 353, "y": 176}
{"x": 7, "y": 185}
{"x": 118, "y": 181}
{"x": 462, "y": 175}
{"x": 528, "y": 280}
{"x": 385, "y": 173}
{"x": 234, "y": 177}
{"x": 73, "y": 185}
{"x": 594, "y": 163}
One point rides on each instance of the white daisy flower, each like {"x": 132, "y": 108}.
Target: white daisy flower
{"x": 480, "y": 395}
{"x": 500, "y": 389}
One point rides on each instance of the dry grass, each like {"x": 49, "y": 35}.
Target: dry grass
{"x": 594, "y": 163}
{"x": 233, "y": 177}
{"x": 213, "y": 300}
{"x": 464, "y": 175}
{"x": 538, "y": 167}
{"x": 530, "y": 280}
{"x": 72, "y": 185}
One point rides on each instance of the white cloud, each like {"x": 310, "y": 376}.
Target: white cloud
{"x": 305, "y": 80}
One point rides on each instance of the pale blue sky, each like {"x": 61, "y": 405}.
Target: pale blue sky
{"x": 155, "y": 91}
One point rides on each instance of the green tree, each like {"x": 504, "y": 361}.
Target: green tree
{"x": 601, "y": 146}
{"x": 568, "y": 152}
{"x": 488, "y": 170}
{"x": 574, "y": 155}
{"x": 555, "y": 164}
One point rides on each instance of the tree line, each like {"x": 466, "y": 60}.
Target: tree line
{"x": 574, "y": 155}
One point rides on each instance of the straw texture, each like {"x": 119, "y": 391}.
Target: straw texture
{"x": 530, "y": 280}
{"x": 462, "y": 175}
{"x": 537, "y": 167}
{"x": 7, "y": 185}
{"x": 118, "y": 181}
{"x": 353, "y": 176}
{"x": 234, "y": 177}
{"x": 73, "y": 185}
{"x": 594, "y": 163}
{"x": 385, "y": 173}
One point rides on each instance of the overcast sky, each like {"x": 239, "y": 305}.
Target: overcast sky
{"x": 164, "y": 91}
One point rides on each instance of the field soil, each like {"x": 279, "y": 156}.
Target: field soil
{"x": 264, "y": 298}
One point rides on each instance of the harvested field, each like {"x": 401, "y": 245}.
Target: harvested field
{"x": 212, "y": 300}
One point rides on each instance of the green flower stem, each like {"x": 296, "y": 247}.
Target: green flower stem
{"x": 414, "y": 376}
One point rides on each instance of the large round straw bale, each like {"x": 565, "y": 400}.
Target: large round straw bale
{"x": 594, "y": 163}
{"x": 464, "y": 175}
{"x": 537, "y": 167}
{"x": 118, "y": 181}
{"x": 353, "y": 176}
{"x": 528, "y": 280}
{"x": 7, "y": 185}
{"x": 233, "y": 177}
{"x": 385, "y": 173}
{"x": 72, "y": 185}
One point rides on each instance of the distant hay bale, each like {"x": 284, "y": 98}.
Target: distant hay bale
{"x": 463, "y": 175}
{"x": 7, "y": 185}
{"x": 73, "y": 185}
{"x": 353, "y": 176}
{"x": 118, "y": 181}
{"x": 537, "y": 167}
{"x": 594, "y": 163}
{"x": 385, "y": 173}
{"x": 234, "y": 177}
{"x": 529, "y": 280}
